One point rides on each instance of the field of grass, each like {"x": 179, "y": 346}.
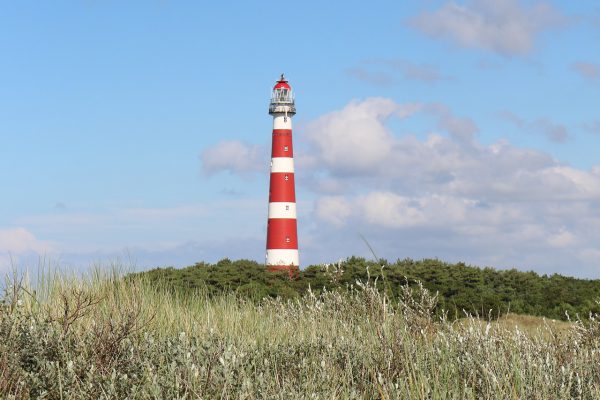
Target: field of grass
{"x": 109, "y": 337}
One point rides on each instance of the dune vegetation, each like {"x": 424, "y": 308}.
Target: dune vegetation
{"x": 110, "y": 336}
{"x": 461, "y": 288}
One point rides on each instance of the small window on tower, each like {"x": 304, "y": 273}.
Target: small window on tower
{"x": 287, "y": 239}
{"x": 285, "y": 148}
{"x": 287, "y": 207}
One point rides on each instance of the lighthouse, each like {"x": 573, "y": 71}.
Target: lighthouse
{"x": 282, "y": 236}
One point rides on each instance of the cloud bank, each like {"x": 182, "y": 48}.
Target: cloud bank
{"x": 508, "y": 27}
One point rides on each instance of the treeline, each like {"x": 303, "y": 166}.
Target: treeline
{"x": 461, "y": 288}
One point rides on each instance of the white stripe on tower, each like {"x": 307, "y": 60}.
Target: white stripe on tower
{"x": 282, "y": 210}
{"x": 282, "y": 164}
{"x": 282, "y": 237}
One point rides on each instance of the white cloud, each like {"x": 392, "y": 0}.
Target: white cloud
{"x": 508, "y": 27}
{"x": 461, "y": 128}
{"x": 448, "y": 194}
{"x": 356, "y": 139}
{"x": 333, "y": 209}
{"x": 356, "y": 142}
{"x": 233, "y": 156}
{"x": 20, "y": 240}
{"x": 562, "y": 238}
{"x": 19, "y": 243}
{"x": 389, "y": 210}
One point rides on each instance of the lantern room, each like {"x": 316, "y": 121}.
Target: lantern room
{"x": 282, "y": 98}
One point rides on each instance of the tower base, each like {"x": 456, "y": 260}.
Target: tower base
{"x": 292, "y": 270}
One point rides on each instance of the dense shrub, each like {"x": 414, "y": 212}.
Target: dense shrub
{"x": 461, "y": 288}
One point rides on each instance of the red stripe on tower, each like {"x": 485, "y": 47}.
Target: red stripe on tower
{"x": 282, "y": 236}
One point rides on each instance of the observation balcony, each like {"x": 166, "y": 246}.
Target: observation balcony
{"x": 282, "y": 105}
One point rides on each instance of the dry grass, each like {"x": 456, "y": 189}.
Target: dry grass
{"x": 103, "y": 337}
{"x": 531, "y": 326}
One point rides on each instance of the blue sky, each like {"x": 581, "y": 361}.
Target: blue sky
{"x": 465, "y": 130}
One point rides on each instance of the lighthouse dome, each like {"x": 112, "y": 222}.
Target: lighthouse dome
{"x": 282, "y": 83}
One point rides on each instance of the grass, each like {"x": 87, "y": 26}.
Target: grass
{"x": 108, "y": 337}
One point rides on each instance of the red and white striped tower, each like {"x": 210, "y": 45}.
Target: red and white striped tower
{"x": 282, "y": 236}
